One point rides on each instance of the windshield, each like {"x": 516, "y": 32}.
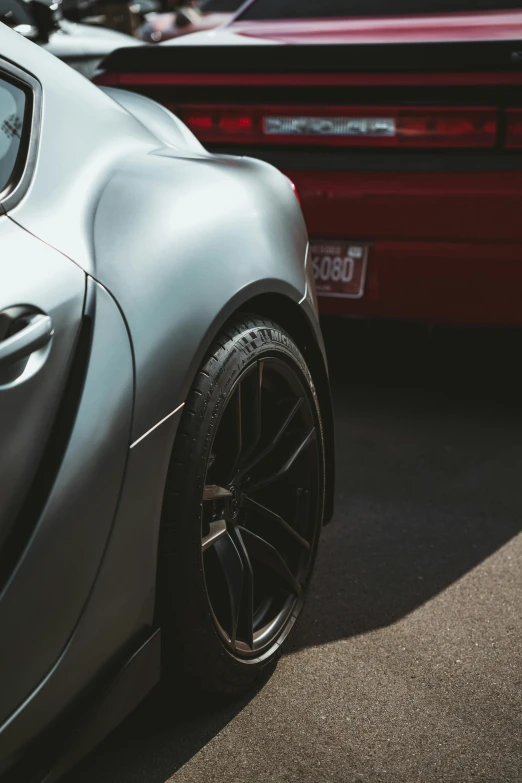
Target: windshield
{"x": 321, "y": 9}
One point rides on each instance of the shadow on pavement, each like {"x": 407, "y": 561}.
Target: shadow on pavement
{"x": 429, "y": 452}
{"x": 164, "y": 732}
{"x": 429, "y": 459}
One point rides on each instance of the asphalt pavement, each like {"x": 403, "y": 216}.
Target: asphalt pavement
{"x": 407, "y": 663}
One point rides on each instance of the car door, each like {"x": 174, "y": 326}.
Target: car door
{"x": 41, "y": 303}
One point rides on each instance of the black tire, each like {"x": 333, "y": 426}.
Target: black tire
{"x": 250, "y": 385}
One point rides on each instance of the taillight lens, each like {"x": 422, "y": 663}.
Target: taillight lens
{"x": 342, "y": 126}
{"x": 448, "y": 128}
{"x": 514, "y": 129}
{"x": 214, "y": 124}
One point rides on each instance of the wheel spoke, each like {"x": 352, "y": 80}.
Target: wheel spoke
{"x": 213, "y": 492}
{"x": 275, "y": 440}
{"x": 254, "y": 413}
{"x": 246, "y": 610}
{"x": 307, "y": 440}
{"x": 266, "y": 512}
{"x": 258, "y": 404}
{"x": 218, "y": 529}
{"x": 261, "y": 551}
{"x": 237, "y": 435}
{"x": 233, "y": 570}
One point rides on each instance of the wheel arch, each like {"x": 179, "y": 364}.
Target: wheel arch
{"x": 292, "y": 317}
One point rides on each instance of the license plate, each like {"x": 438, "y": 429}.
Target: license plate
{"x": 339, "y": 268}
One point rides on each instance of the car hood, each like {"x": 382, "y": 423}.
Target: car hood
{"x": 486, "y": 26}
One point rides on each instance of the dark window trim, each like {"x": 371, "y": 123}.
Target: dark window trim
{"x": 26, "y": 160}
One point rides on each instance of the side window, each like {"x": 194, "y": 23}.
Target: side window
{"x": 12, "y": 111}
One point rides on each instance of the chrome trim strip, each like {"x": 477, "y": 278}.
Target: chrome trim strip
{"x": 157, "y": 425}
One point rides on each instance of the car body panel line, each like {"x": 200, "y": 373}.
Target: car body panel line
{"x": 157, "y": 425}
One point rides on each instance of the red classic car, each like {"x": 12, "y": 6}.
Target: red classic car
{"x": 399, "y": 121}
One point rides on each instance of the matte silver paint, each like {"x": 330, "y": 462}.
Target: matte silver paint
{"x": 28, "y": 403}
{"x": 171, "y": 241}
{"x": 55, "y": 575}
{"x": 120, "y": 607}
{"x": 227, "y": 230}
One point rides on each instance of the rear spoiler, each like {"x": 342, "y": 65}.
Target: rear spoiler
{"x": 482, "y": 56}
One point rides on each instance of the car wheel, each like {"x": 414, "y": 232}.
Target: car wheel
{"x": 243, "y": 508}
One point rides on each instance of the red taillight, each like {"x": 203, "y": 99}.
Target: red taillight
{"x": 448, "y": 128}
{"x": 514, "y": 128}
{"x": 235, "y": 124}
{"x": 212, "y": 124}
{"x": 344, "y": 126}
{"x": 199, "y": 124}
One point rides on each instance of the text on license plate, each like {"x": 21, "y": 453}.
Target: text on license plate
{"x": 339, "y": 268}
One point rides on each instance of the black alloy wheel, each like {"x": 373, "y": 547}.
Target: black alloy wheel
{"x": 248, "y": 475}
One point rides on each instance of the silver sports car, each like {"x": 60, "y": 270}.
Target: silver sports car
{"x": 166, "y": 454}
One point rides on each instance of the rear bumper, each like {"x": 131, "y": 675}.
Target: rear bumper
{"x": 444, "y": 246}
{"x": 440, "y": 283}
